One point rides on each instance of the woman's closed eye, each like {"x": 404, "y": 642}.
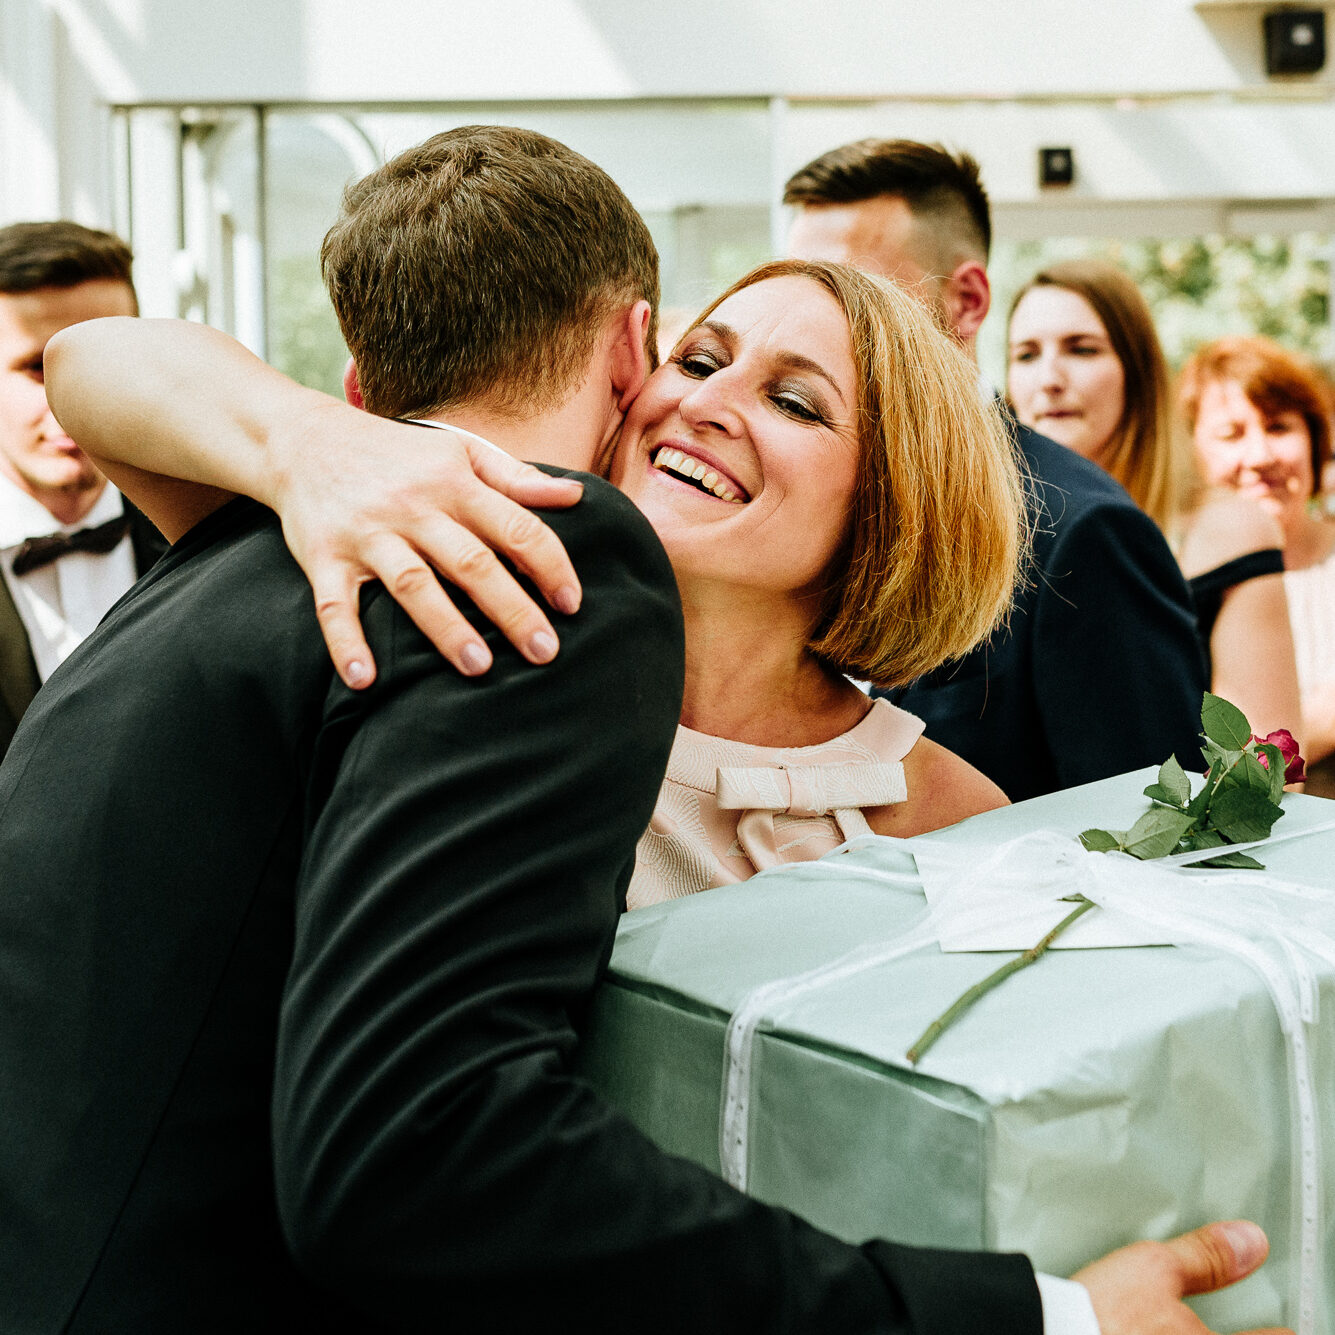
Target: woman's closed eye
{"x": 698, "y": 363}
{"x": 798, "y": 405}
{"x": 1083, "y": 348}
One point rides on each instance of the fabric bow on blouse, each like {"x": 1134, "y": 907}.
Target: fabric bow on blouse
{"x": 804, "y": 791}
{"x": 730, "y": 809}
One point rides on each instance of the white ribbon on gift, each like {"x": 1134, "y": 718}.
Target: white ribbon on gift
{"x": 1252, "y": 915}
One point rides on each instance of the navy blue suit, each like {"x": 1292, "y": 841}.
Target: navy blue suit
{"x": 1100, "y": 669}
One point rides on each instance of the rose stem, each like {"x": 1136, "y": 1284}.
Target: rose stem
{"x": 943, "y": 1022}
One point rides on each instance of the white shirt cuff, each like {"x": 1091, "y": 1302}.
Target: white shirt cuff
{"x": 1067, "y": 1309}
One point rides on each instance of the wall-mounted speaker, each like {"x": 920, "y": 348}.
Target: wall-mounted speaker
{"x": 1295, "y": 41}
{"x": 1056, "y": 166}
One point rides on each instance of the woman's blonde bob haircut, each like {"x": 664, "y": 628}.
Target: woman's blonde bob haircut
{"x": 1141, "y": 453}
{"x": 937, "y": 530}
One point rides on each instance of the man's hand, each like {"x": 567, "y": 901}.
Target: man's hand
{"x": 362, "y": 498}
{"x": 1139, "y": 1289}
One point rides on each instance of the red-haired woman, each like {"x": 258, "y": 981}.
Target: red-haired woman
{"x": 1260, "y": 419}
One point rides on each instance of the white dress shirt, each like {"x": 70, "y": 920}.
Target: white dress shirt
{"x": 1067, "y": 1309}
{"x": 60, "y": 603}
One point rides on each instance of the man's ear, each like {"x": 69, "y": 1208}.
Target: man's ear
{"x": 352, "y": 385}
{"x": 968, "y": 297}
{"x": 628, "y": 363}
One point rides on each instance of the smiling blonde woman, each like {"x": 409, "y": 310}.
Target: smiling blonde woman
{"x": 836, "y": 501}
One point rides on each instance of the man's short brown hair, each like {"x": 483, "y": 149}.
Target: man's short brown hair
{"x": 480, "y": 266}
{"x": 944, "y": 189}
{"x": 34, "y": 255}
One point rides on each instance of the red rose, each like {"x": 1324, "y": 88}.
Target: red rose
{"x": 1294, "y": 770}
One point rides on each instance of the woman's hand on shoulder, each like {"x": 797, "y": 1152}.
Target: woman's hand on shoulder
{"x": 942, "y": 790}
{"x": 363, "y": 498}
{"x": 1223, "y": 527}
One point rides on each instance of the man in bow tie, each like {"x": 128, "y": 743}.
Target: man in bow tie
{"x": 67, "y": 551}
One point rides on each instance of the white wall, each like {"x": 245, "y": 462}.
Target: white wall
{"x": 446, "y": 50}
{"x": 1163, "y": 100}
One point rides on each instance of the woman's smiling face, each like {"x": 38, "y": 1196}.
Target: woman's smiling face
{"x": 742, "y": 448}
{"x": 1267, "y": 456}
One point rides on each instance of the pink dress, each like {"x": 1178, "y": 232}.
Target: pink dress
{"x": 728, "y": 809}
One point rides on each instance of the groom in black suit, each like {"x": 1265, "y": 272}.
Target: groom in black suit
{"x": 290, "y": 975}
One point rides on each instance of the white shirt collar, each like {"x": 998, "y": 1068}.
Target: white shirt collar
{"x": 23, "y": 517}
{"x": 61, "y": 603}
{"x": 458, "y": 431}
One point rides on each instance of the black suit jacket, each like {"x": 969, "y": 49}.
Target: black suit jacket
{"x": 1100, "y": 670}
{"x": 18, "y": 672}
{"x": 290, "y": 979}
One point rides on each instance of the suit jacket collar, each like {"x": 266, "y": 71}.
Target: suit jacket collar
{"x": 18, "y": 671}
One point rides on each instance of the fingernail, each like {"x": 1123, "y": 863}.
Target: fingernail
{"x": 542, "y": 647}
{"x": 357, "y": 674}
{"x": 566, "y": 599}
{"x": 1247, "y": 1241}
{"x": 570, "y": 484}
{"x": 475, "y": 658}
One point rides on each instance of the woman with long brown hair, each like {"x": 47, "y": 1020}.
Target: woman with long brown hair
{"x": 1087, "y": 369}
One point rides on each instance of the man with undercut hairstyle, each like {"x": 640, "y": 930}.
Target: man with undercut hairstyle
{"x": 68, "y": 547}
{"x": 1099, "y": 670}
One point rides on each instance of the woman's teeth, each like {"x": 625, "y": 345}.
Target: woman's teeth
{"x": 704, "y": 477}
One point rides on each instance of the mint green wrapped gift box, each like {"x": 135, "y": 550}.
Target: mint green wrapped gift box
{"x": 1097, "y": 1098}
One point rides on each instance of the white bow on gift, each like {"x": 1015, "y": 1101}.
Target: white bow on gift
{"x": 1008, "y": 897}
{"x": 761, "y": 792}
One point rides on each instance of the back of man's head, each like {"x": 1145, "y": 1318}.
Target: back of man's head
{"x": 37, "y": 255}
{"x": 942, "y": 190}
{"x": 480, "y": 267}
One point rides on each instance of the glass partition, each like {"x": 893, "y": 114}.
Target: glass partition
{"x": 226, "y": 207}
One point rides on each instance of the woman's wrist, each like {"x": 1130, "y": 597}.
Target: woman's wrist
{"x": 291, "y": 444}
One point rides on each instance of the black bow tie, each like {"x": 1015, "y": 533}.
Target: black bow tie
{"x": 38, "y": 552}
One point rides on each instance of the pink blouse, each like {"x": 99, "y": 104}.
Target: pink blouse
{"x": 728, "y": 809}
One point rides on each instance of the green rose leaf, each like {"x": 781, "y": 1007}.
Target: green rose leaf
{"x": 1157, "y": 832}
{"x": 1213, "y": 752}
{"x": 1225, "y": 724}
{"x": 1275, "y": 757}
{"x": 1173, "y": 789}
{"x": 1242, "y": 814}
{"x": 1201, "y": 839}
{"x": 1200, "y": 804}
{"x": 1102, "y": 841}
{"x": 1250, "y": 773}
{"x": 1241, "y": 860}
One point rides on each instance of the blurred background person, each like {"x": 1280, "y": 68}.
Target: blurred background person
{"x": 1099, "y": 670}
{"x": 68, "y": 546}
{"x": 1260, "y": 421}
{"x": 1085, "y": 367}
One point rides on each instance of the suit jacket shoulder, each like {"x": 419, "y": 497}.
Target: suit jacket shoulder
{"x": 1099, "y": 670}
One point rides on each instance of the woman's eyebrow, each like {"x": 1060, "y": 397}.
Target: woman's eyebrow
{"x": 728, "y": 336}
{"x": 801, "y": 363}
